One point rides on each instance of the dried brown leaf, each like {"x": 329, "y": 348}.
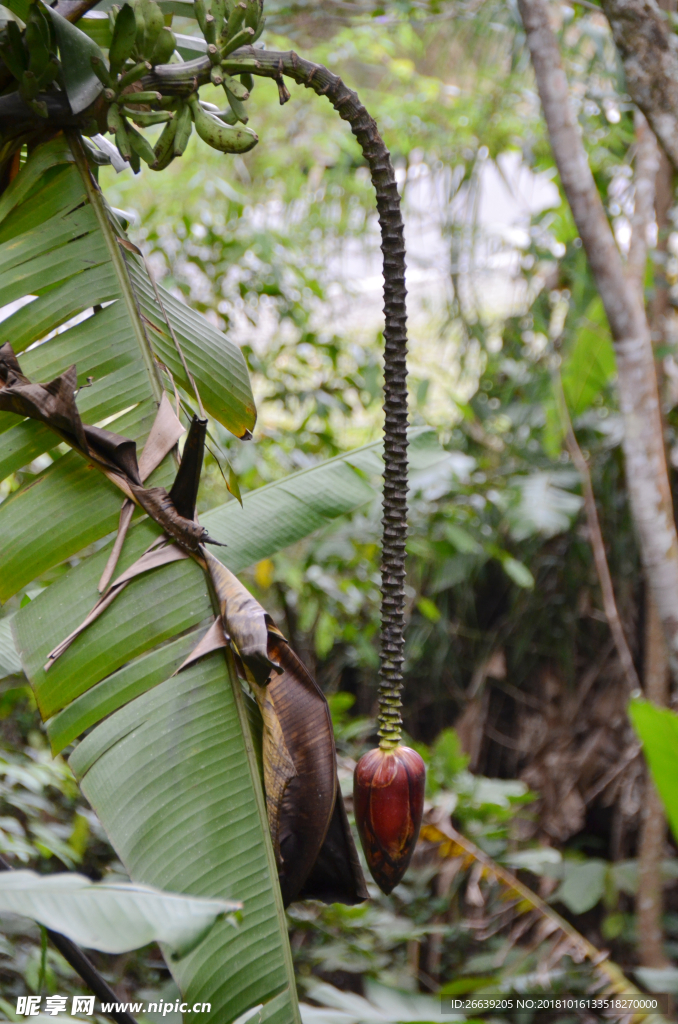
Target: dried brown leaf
{"x": 245, "y": 621}
{"x": 184, "y": 493}
{"x": 213, "y": 640}
{"x": 159, "y": 553}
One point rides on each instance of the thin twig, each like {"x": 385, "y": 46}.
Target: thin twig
{"x": 83, "y": 966}
{"x": 612, "y": 773}
{"x": 597, "y": 544}
{"x": 73, "y": 10}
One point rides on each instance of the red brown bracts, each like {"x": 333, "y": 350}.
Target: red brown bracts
{"x": 388, "y": 793}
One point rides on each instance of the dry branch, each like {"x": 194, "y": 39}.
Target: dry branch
{"x": 598, "y": 547}
{"x": 452, "y": 845}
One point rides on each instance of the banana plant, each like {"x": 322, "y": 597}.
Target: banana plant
{"x": 204, "y": 745}
{"x": 186, "y": 694}
{"x": 197, "y": 820}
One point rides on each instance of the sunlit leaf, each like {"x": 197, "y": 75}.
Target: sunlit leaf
{"x": 518, "y": 572}
{"x": 543, "y": 505}
{"x": 583, "y": 885}
{"x": 658, "y": 730}
{"x": 589, "y": 365}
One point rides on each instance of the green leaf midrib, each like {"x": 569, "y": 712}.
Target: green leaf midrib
{"x": 97, "y": 202}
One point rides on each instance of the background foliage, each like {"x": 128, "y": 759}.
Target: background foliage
{"x": 507, "y": 641}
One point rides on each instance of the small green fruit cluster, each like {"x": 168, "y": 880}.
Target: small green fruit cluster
{"x": 139, "y": 34}
{"x": 226, "y": 25}
{"x": 141, "y": 40}
{"x": 209, "y": 126}
{"x": 31, "y": 56}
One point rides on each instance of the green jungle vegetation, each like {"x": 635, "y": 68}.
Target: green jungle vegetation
{"x": 514, "y": 695}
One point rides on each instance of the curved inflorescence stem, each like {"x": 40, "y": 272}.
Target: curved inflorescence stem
{"x": 394, "y": 503}
{"x": 179, "y": 78}
{"x": 364, "y": 127}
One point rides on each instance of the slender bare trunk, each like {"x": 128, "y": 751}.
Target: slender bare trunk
{"x": 646, "y": 469}
{"x": 659, "y": 306}
{"x": 650, "y": 897}
{"x": 645, "y": 179}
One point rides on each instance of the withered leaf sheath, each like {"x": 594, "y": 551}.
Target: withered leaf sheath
{"x": 297, "y": 725}
{"x": 184, "y": 493}
{"x": 336, "y": 876}
{"x": 54, "y": 405}
{"x": 163, "y": 436}
{"x": 388, "y": 796}
{"x": 159, "y": 553}
{"x": 312, "y": 840}
{"x": 245, "y": 622}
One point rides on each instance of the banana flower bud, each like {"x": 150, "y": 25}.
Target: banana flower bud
{"x": 388, "y": 793}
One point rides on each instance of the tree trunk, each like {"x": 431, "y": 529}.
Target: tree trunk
{"x": 649, "y": 51}
{"x": 650, "y": 897}
{"x": 646, "y": 470}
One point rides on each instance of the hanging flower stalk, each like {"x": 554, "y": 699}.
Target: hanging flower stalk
{"x": 389, "y": 781}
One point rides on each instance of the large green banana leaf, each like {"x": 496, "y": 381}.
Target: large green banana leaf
{"x": 169, "y": 763}
{"x": 185, "y": 807}
{"x": 59, "y": 243}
